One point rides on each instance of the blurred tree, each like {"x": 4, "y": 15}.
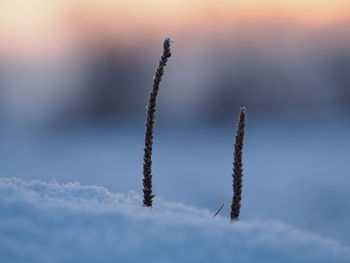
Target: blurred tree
{"x": 340, "y": 74}
{"x": 113, "y": 82}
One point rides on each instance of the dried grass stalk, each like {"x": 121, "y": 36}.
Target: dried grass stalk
{"x": 238, "y": 167}
{"x": 151, "y": 109}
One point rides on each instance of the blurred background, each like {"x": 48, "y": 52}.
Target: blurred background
{"x": 75, "y": 78}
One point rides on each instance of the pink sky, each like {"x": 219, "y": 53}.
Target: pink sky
{"x": 52, "y": 26}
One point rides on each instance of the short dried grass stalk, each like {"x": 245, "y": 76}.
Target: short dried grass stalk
{"x": 238, "y": 167}
{"x": 219, "y": 210}
{"x": 151, "y": 109}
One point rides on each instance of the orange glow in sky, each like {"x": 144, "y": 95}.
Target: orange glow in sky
{"x": 52, "y": 24}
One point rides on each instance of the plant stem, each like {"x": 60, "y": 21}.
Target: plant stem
{"x": 151, "y": 109}
{"x": 238, "y": 167}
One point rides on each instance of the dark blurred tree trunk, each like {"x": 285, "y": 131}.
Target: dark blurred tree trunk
{"x": 341, "y": 76}
{"x": 112, "y": 84}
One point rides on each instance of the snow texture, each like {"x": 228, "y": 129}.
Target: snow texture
{"x": 51, "y": 222}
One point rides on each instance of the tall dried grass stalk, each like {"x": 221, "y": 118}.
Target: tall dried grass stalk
{"x": 151, "y": 109}
{"x": 238, "y": 166}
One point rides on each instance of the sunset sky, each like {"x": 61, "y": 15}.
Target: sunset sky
{"x": 49, "y": 25}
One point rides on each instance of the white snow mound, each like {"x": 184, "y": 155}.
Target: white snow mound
{"x": 50, "y": 222}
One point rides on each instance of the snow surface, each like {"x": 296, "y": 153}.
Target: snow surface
{"x": 294, "y": 172}
{"x": 51, "y": 222}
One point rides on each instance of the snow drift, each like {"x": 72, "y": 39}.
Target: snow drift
{"x": 50, "y": 222}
